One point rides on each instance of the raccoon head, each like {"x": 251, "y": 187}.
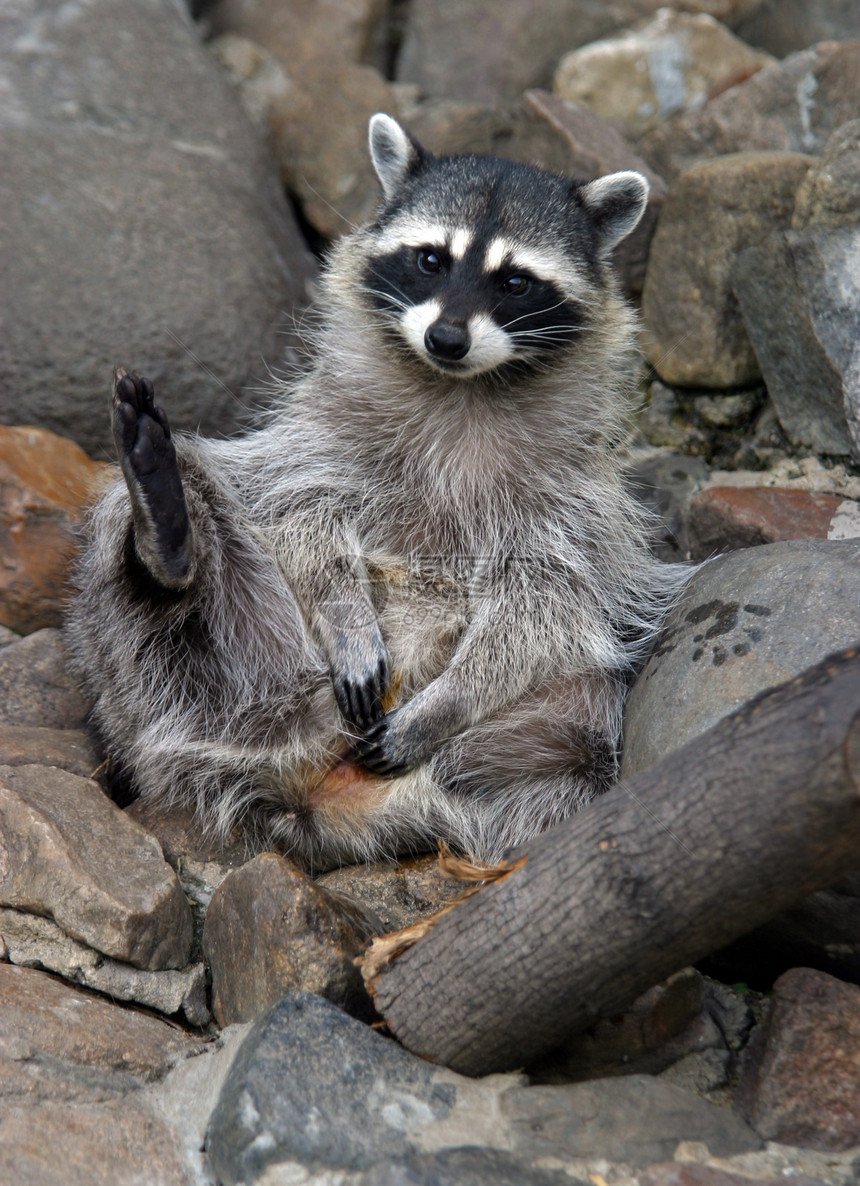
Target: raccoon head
{"x": 479, "y": 266}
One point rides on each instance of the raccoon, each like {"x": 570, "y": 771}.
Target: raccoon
{"x": 406, "y": 607}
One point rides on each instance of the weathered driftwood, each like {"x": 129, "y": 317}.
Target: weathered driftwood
{"x": 711, "y": 842}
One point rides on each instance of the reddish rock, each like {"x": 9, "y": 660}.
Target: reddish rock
{"x": 723, "y": 518}
{"x": 270, "y": 929}
{"x": 46, "y": 483}
{"x": 694, "y": 332}
{"x": 792, "y": 106}
{"x": 801, "y": 1085}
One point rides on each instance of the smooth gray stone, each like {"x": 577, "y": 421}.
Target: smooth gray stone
{"x": 747, "y": 621}
{"x": 800, "y": 297}
{"x": 314, "y": 1086}
{"x": 635, "y": 1119}
{"x": 143, "y": 222}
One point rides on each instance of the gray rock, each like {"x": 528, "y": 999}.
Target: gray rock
{"x": 799, "y": 295}
{"x": 464, "y": 1167}
{"x": 7, "y": 636}
{"x": 694, "y": 333}
{"x": 829, "y": 195}
{"x": 143, "y": 222}
{"x": 36, "y": 687}
{"x": 35, "y": 942}
{"x": 69, "y": 853}
{"x": 782, "y": 26}
{"x": 792, "y": 106}
{"x": 640, "y": 1119}
{"x": 269, "y": 929}
{"x": 747, "y": 621}
{"x": 59, "y": 1043}
{"x": 666, "y": 481}
{"x": 314, "y": 1086}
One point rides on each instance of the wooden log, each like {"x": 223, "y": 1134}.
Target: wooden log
{"x": 737, "y": 825}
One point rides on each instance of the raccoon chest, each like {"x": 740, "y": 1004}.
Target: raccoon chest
{"x": 422, "y": 615}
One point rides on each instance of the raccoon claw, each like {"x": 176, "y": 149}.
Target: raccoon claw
{"x": 360, "y": 701}
{"x": 374, "y": 751}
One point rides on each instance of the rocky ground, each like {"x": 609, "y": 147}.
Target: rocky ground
{"x": 168, "y": 182}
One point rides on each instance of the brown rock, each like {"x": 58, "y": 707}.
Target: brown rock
{"x": 694, "y": 331}
{"x": 36, "y": 687}
{"x": 722, "y": 518}
{"x": 46, "y": 482}
{"x": 640, "y": 76}
{"x": 802, "y": 1085}
{"x": 398, "y": 895}
{"x": 58, "y": 1042}
{"x": 792, "y": 106}
{"x": 319, "y": 136}
{"x": 70, "y": 749}
{"x": 35, "y": 942}
{"x": 116, "y": 1143}
{"x": 658, "y": 1028}
{"x": 829, "y": 195}
{"x": 68, "y": 852}
{"x": 269, "y": 929}
{"x": 439, "y": 55}
{"x": 302, "y": 32}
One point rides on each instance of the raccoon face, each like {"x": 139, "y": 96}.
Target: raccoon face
{"x": 478, "y": 265}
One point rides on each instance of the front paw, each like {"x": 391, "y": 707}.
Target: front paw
{"x": 395, "y": 745}
{"x": 360, "y": 694}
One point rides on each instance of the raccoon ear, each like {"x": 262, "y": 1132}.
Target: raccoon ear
{"x": 615, "y": 203}
{"x": 394, "y": 153}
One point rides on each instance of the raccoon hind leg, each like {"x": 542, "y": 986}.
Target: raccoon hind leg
{"x": 162, "y": 529}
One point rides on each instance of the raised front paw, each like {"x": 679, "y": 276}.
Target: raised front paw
{"x": 360, "y": 692}
{"x": 148, "y": 459}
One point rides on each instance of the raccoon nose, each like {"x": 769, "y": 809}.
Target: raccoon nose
{"x": 447, "y": 339}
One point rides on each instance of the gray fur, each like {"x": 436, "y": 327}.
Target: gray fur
{"x": 463, "y": 547}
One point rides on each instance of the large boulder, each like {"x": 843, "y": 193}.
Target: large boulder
{"x": 142, "y": 222}
{"x": 747, "y": 621}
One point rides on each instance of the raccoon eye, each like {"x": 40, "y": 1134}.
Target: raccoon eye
{"x": 516, "y": 285}
{"x": 429, "y": 261}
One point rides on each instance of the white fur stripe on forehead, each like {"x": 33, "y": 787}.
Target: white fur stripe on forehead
{"x": 392, "y": 152}
{"x": 411, "y": 231}
{"x": 542, "y": 262}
